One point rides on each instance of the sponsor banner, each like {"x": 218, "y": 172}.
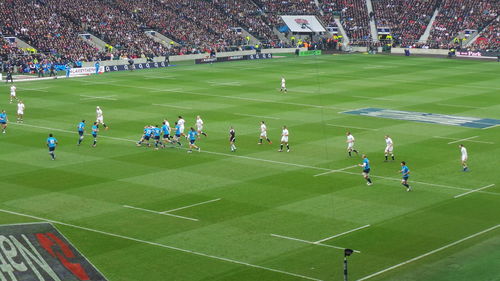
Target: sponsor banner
{"x": 480, "y": 54}
{"x": 443, "y": 119}
{"x": 85, "y": 70}
{"x": 39, "y": 252}
{"x": 307, "y": 24}
{"x": 234, "y": 58}
{"x": 146, "y": 65}
{"x": 310, "y": 53}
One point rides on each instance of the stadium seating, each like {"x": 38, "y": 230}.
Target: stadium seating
{"x": 353, "y": 16}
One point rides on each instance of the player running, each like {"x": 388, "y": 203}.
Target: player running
{"x": 181, "y": 123}
{"x": 283, "y": 85}
{"x": 20, "y": 111}
{"x": 95, "y": 130}
{"x": 146, "y": 136}
{"x": 263, "y": 133}
{"x": 81, "y": 131}
{"x": 156, "y": 136}
{"x": 389, "y": 148}
{"x": 350, "y": 144}
{"x": 100, "y": 118}
{"x": 199, "y": 126}
{"x": 13, "y": 93}
{"x": 232, "y": 139}
{"x": 366, "y": 169}
{"x": 406, "y": 174}
{"x": 3, "y": 121}
{"x": 463, "y": 151}
{"x": 284, "y": 140}
{"x": 192, "y": 134}
{"x": 178, "y": 133}
{"x": 51, "y": 144}
{"x": 165, "y": 129}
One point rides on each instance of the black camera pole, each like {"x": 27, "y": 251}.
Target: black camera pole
{"x": 347, "y": 252}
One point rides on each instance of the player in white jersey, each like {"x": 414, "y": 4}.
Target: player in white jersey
{"x": 389, "y": 148}
{"x": 283, "y": 85}
{"x": 464, "y": 158}
{"x": 263, "y": 133}
{"x": 199, "y": 126}
{"x": 20, "y": 111}
{"x": 350, "y": 144}
{"x": 100, "y": 118}
{"x": 13, "y": 93}
{"x": 181, "y": 123}
{"x": 284, "y": 140}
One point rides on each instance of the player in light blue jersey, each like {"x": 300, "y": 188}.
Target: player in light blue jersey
{"x": 143, "y": 138}
{"x": 166, "y": 131}
{"x": 51, "y": 144}
{"x": 95, "y": 130}
{"x": 97, "y": 65}
{"x": 405, "y": 172}
{"x": 81, "y": 131}
{"x": 156, "y": 131}
{"x": 3, "y": 120}
{"x": 178, "y": 133}
{"x": 366, "y": 169}
{"x": 192, "y": 134}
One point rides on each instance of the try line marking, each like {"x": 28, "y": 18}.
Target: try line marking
{"x": 340, "y": 234}
{"x": 351, "y": 127}
{"x": 271, "y": 161}
{"x": 162, "y": 245}
{"x": 189, "y": 206}
{"x": 430, "y": 253}
{"x": 159, "y": 213}
{"x": 468, "y": 192}
{"x": 310, "y": 242}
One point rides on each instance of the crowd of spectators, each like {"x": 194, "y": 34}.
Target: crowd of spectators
{"x": 489, "y": 39}
{"x": 455, "y": 16}
{"x": 275, "y": 8}
{"x": 407, "y": 19}
{"x": 353, "y": 16}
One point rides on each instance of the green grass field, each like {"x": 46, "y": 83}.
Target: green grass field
{"x": 427, "y": 234}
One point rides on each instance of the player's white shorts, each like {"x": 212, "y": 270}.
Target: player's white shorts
{"x": 464, "y": 158}
{"x": 100, "y": 119}
{"x": 181, "y": 129}
{"x": 284, "y": 139}
{"x": 389, "y": 149}
{"x": 199, "y": 128}
{"x": 13, "y": 94}
{"x": 20, "y": 112}
{"x": 283, "y": 85}
{"x": 263, "y": 135}
{"x": 350, "y": 145}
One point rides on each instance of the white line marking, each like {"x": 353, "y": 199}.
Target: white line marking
{"x": 162, "y": 245}
{"x": 258, "y": 116}
{"x": 309, "y": 242}
{"x": 173, "y": 106}
{"x": 456, "y": 105}
{"x": 430, "y": 253}
{"x": 159, "y": 213}
{"x": 185, "y": 207}
{"x": 153, "y": 90}
{"x": 35, "y": 89}
{"x": 491, "y": 127}
{"x": 213, "y": 83}
{"x": 447, "y": 138}
{"x": 340, "y": 234}
{"x": 372, "y": 98}
{"x": 270, "y": 161}
{"x": 85, "y": 97}
{"x": 333, "y": 171}
{"x": 351, "y": 127}
{"x": 468, "y": 192}
{"x": 469, "y": 138}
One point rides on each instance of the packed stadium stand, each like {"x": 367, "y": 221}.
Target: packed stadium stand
{"x": 52, "y": 27}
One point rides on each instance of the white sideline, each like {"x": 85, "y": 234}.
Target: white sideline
{"x": 272, "y": 161}
{"x": 162, "y": 245}
{"x": 309, "y": 242}
{"x": 469, "y": 138}
{"x": 475, "y": 190}
{"x": 173, "y": 106}
{"x": 430, "y": 253}
{"x": 258, "y": 116}
{"x": 340, "y": 234}
{"x": 85, "y": 97}
{"x": 351, "y": 127}
{"x": 189, "y": 206}
{"x": 159, "y": 213}
{"x": 447, "y": 138}
{"x": 333, "y": 171}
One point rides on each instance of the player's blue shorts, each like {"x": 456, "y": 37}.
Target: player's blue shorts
{"x": 52, "y": 148}
{"x": 80, "y": 133}
{"x": 405, "y": 178}
{"x": 366, "y": 171}
{"x": 192, "y": 141}
{"x": 3, "y": 122}
{"x": 94, "y": 135}
{"x": 178, "y": 135}
{"x": 146, "y": 137}
{"x": 166, "y": 136}
{"x": 157, "y": 137}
